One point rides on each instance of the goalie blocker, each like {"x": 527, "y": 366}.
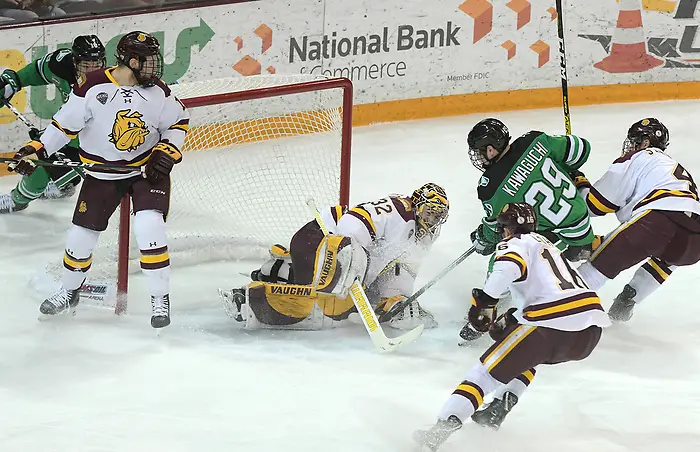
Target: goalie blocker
{"x": 380, "y": 243}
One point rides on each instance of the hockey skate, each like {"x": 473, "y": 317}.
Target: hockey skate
{"x": 160, "y": 316}
{"x": 469, "y": 334}
{"x": 623, "y": 306}
{"x": 8, "y": 205}
{"x": 60, "y": 302}
{"x": 494, "y": 414}
{"x": 53, "y": 192}
{"x": 412, "y": 316}
{"x": 431, "y": 440}
{"x": 233, "y": 301}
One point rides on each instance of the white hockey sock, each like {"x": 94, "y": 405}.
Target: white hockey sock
{"x": 649, "y": 277}
{"x": 78, "y": 255}
{"x": 592, "y": 276}
{"x": 149, "y": 229}
{"x": 469, "y": 395}
{"x": 517, "y": 385}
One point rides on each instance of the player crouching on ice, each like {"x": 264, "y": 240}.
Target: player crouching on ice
{"x": 380, "y": 242}
{"x": 558, "y": 320}
{"x": 656, "y": 201}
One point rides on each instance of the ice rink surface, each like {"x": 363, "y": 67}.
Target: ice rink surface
{"x": 103, "y": 383}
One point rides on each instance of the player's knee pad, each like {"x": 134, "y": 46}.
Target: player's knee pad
{"x": 149, "y": 228}
{"x": 339, "y": 261}
{"x": 278, "y": 269}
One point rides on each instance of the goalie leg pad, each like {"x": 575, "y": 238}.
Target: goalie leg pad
{"x": 278, "y": 269}
{"x": 280, "y": 304}
{"x": 339, "y": 262}
{"x": 303, "y": 249}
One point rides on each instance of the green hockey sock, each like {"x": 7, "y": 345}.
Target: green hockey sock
{"x": 30, "y": 187}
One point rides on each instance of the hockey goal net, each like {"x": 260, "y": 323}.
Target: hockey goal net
{"x": 257, "y": 149}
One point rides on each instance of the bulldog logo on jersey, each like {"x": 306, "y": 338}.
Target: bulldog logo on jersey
{"x": 129, "y": 130}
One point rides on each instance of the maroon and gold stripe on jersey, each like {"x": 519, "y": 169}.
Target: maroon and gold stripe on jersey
{"x": 361, "y": 214}
{"x": 655, "y": 195}
{"x": 512, "y": 256}
{"x": 337, "y": 211}
{"x": 139, "y": 160}
{"x": 183, "y": 125}
{"x": 69, "y": 133}
{"x": 575, "y": 304}
{"x": 598, "y": 204}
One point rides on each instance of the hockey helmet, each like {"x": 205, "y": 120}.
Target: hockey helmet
{"x": 517, "y": 218}
{"x": 431, "y": 208}
{"x": 487, "y": 132}
{"x": 88, "y": 54}
{"x": 646, "y": 129}
{"x": 144, "y": 48}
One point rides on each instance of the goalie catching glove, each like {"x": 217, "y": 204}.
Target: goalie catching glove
{"x": 162, "y": 160}
{"x": 26, "y": 156}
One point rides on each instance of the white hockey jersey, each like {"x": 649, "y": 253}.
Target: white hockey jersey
{"x": 386, "y": 229}
{"x": 546, "y": 290}
{"x": 117, "y": 124}
{"x": 644, "y": 180}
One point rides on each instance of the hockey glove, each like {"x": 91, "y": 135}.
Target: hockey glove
{"x": 580, "y": 180}
{"x": 26, "y": 156}
{"x": 9, "y": 85}
{"x": 482, "y": 312}
{"x": 482, "y": 245}
{"x": 162, "y": 160}
{"x": 501, "y": 326}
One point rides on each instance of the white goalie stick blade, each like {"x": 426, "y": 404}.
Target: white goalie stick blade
{"x": 376, "y": 333}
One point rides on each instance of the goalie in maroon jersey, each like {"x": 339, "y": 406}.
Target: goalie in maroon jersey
{"x": 380, "y": 242}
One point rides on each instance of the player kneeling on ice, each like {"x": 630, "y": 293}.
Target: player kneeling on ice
{"x": 559, "y": 319}
{"x": 124, "y": 115}
{"x": 656, "y": 200}
{"x": 379, "y": 242}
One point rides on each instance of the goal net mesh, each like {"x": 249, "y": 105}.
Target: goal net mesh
{"x": 248, "y": 169}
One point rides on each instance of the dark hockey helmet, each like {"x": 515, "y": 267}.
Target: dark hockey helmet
{"x": 517, "y": 218}
{"x": 646, "y": 129}
{"x": 430, "y": 207}
{"x": 144, "y": 48}
{"x": 487, "y": 132}
{"x": 88, "y": 54}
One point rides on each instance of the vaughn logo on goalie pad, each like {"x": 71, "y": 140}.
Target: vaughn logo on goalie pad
{"x": 291, "y": 290}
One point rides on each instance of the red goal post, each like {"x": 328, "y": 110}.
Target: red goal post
{"x": 297, "y": 145}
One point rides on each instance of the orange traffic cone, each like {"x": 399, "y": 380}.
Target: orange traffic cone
{"x": 629, "y": 48}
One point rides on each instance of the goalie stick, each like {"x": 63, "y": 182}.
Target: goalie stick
{"x": 367, "y": 314}
{"x": 401, "y": 305}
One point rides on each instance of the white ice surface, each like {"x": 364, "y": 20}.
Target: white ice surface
{"x": 102, "y": 383}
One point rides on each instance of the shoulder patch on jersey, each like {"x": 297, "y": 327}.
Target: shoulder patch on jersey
{"x": 484, "y": 181}
{"x": 403, "y": 207}
{"x": 81, "y": 80}
{"x": 92, "y": 79}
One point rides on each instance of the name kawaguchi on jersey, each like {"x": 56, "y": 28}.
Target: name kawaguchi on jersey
{"x": 524, "y": 168}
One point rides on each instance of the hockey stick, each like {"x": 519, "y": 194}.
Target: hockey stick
{"x": 562, "y": 62}
{"x": 80, "y": 165}
{"x": 401, "y": 305}
{"x": 33, "y": 130}
{"x": 367, "y": 314}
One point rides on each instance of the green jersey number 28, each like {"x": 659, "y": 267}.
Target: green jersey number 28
{"x": 543, "y": 197}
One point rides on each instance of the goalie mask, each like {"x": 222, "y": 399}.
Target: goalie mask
{"x": 431, "y": 208}
{"x": 145, "y": 49}
{"x": 646, "y": 129}
{"x": 88, "y": 54}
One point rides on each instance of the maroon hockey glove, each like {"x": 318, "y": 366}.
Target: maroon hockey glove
{"x": 580, "y": 179}
{"x": 162, "y": 160}
{"x": 482, "y": 311}
{"x": 501, "y": 327}
{"x": 26, "y": 156}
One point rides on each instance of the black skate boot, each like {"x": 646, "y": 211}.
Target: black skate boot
{"x": 60, "y": 302}
{"x": 623, "y": 306}
{"x": 161, "y": 311}
{"x": 432, "y": 439}
{"x": 233, "y": 301}
{"x": 494, "y": 414}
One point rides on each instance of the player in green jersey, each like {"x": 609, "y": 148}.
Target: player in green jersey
{"x": 536, "y": 169}
{"x": 61, "y": 68}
